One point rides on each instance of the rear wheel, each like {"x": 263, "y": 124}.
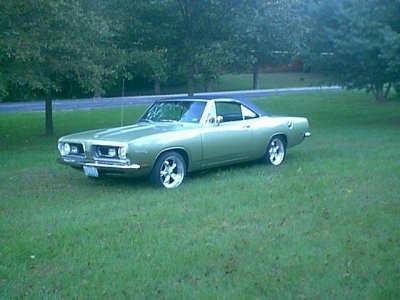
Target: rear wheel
{"x": 276, "y": 151}
{"x": 169, "y": 170}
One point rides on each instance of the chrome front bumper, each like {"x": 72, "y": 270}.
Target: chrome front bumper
{"x": 114, "y": 167}
{"x": 102, "y": 166}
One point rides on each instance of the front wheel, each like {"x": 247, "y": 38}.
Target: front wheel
{"x": 276, "y": 151}
{"x": 169, "y": 170}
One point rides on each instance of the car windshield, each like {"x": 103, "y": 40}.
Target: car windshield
{"x": 175, "y": 111}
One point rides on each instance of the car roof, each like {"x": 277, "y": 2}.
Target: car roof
{"x": 245, "y": 102}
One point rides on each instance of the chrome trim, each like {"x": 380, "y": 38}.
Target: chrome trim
{"x": 76, "y": 162}
{"x": 307, "y": 134}
{"x": 73, "y": 159}
{"x": 75, "y": 156}
{"x": 111, "y": 161}
{"x": 121, "y": 167}
{"x": 106, "y": 143}
{"x": 98, "y": 155}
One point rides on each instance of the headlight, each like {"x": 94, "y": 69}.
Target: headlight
{"x": 112, "y": 152}
{"x": 74, "y": 149}
{"x": 67, "y": 149}
{"x": 122, "y": 152}
{"x": 64, "y": 148}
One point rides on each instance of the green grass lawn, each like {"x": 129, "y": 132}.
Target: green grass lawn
{"x": 267, "y": 81}
{"x": 324, "y": 225}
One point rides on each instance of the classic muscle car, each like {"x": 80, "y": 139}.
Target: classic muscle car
{"x": 177, "y": 136}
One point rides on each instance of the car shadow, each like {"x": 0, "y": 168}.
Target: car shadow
{"x": 116, "y": 181}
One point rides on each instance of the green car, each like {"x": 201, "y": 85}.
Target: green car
{"x": 177, "y": 136}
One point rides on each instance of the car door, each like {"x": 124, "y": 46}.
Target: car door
{"x": 228, "y": 140}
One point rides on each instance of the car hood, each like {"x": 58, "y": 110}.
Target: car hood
{"x": 126, "y": 133}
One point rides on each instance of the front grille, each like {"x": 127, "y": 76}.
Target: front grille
{"x": 77, "y": 149}
{"x": 105, "y": 152}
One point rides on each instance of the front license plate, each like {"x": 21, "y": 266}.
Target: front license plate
{"x": 90, "y": 171}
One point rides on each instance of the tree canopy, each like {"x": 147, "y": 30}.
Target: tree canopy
{"x": 52, "y": 46}
{"x": 63, "y": 46}
{"x": 358, "y": 44}
{"x": 267, "y": 32}
{"x": 46, "y": 42}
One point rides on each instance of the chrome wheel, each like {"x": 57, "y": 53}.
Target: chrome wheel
{"x": 276, "y": 151}
{"x": 169, "y": 170}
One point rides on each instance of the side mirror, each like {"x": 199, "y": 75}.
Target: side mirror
{"x": 216, "y": 120}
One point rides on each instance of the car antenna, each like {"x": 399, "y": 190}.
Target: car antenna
{"x": 122, "y": 101}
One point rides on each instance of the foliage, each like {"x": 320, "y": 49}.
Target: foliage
{"x": 46, "y": 42}
{"x": 211, "y": 60}
{"x": 222, "y": 82}
{"x": 204, "y": 28}
{"x": 267, "y": 32}
{"x": 358, "y": 45}
{"x": 323, "y": 225}
{"x": 91, "y": 46}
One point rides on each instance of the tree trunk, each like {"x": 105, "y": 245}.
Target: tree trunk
{"x": 377, "y": 90}
{"x": 190, "y": 73}
{"x": 49, "y": 114}
{"x": 256, "y": 72}
{"x": 157, "y": 89}
{"x": 186, "y": 9}
{"x": 70, "y": 90}
{"x": 207, "y": 82}
{"x": 389, "y": 86}
{"x": 190, "y": 62}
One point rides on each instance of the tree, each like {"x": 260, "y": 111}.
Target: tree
{"x": 144, "y": 31}
{"x": 162, "y": 37}
{"x": 50, "y": 41}
{"x": 267, "y": 32}
{"x": 210, "y": 61}
{"x": 157, "y": 41}
{"x": 358, "y": 44}
{"x": 205, "y": 29}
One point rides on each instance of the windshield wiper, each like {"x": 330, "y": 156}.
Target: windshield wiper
{"x": 168, "y": 121}
{"x": 146, "y": 121}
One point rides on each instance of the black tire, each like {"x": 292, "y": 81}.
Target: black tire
{"x": 276, "y": 151}
{"x": 169, "y": 171}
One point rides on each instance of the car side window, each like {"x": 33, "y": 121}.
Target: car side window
{"x": 248, "y": 114}
{"x": 229, "y": 111}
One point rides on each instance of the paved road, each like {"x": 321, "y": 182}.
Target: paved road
{"x": 82, "y": 104}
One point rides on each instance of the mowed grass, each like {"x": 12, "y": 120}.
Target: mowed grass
{"x": 324, "y": 225}
{"x": 268, "y": 81}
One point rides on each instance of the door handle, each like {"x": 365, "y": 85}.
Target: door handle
{"x": 246, "y": 126}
